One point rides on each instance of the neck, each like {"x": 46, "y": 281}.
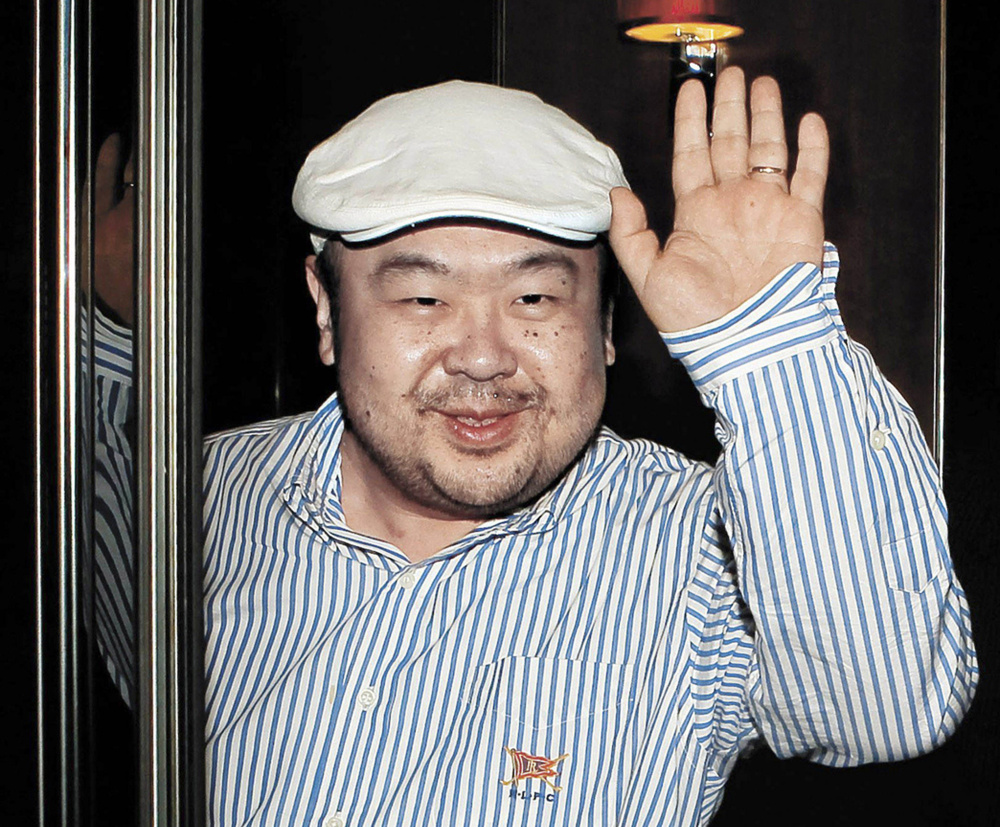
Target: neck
{"x": 373, "y": 505}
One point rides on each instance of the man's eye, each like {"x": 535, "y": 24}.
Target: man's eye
{"x": 425, "y": 301}
{"x": 532, "y": 298}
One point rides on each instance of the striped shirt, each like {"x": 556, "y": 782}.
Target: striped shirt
{"x": 602, "y": 655}
{"x": 109, "y": 591}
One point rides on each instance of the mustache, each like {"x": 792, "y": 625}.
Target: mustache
{"x": 495, "y": 396}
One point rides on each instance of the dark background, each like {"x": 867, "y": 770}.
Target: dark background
{"x": 277, "y": 83}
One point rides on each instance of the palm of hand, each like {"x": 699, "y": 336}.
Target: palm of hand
{"x": 729, "y": 240}
{"x": 734, "y": 229}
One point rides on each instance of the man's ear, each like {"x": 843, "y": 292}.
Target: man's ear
{"x": 323, "y": 322}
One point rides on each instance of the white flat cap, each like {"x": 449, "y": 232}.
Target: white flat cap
{"x": 458, "y": 150}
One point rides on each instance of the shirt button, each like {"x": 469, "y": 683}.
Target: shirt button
{"x": 367, "y": 698}
{"x": 336, "y": 821}
{"x": 877, "y": 439}
{"x": 408, "y": 580}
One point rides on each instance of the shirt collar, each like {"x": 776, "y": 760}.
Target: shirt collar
{"x": 312, "y": 483}
{"x": 312, "y": 487}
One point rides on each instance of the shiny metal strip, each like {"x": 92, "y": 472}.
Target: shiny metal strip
{"x": 168, "y": 478}
{"x": 67, "y": 418}
{"x": 939, "y": 270}
{"x": 151, "y": 516}
{"x": 58, "y": 127}
{"x": 38, "y": 333}
{"x": 59, "y": 124}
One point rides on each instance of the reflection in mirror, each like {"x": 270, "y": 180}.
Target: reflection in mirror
{"x": 117, "y": 447}
{"x": 109, "y": 569}
{"x": 84, "y": 413}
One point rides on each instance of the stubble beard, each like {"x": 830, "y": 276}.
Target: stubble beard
{"x": 495, "y": 484}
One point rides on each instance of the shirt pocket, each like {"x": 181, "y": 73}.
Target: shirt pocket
{"x": 910, "y": 562}
{"x": 550, "y": 739}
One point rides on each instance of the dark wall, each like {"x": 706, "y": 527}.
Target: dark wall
{"x": 17, "y": 753}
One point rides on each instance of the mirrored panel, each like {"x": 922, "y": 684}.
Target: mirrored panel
{"x": 112, "y": 563}
{"x": 86, "y": 412}
{"x": 118, "y": 563}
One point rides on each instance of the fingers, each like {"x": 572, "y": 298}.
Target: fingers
{"x": 692, "y": 165}
{"x": 729, "y": 126}
{"x": 809, "y": 181}
{"x": 767, "y": 137}
{"x": 105, "y": 172}
{"x": 635, "y": 245}
{"x": 737, "y": 145}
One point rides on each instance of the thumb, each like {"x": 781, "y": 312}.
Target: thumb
{"x": 634, "y": 244}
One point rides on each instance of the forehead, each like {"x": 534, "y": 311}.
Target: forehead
{"x": 467, "y": 249}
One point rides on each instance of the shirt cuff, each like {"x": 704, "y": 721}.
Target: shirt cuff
{"x": 795, "y": 312}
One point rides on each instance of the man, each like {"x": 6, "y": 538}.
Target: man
{"x": 450, "y": 597}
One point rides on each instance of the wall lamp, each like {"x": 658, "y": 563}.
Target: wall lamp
{"x": 695, "y": 27}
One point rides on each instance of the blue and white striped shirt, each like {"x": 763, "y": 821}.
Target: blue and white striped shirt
{"x": 110, "y": 592}
{"x": 603, "y": 655}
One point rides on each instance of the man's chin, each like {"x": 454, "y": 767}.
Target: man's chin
{"x": 467, "y": 500}
{"x": 478, "y": 483}
{"x": 486, "y": 485}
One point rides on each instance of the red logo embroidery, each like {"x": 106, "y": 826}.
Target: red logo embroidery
{"x": 526, "y": 765}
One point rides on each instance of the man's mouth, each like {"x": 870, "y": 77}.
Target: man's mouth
{"x": 477, "y": 423}
{"x": 480, "y": 418}
{"x": 481, "y": 430}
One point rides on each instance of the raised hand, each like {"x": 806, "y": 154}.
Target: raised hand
{"x": 737, "y": 223}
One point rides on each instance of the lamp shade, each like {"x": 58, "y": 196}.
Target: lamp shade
{"x": 677, "y": 21}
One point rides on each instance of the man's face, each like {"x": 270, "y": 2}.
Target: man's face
{"x": 471, "y": 365}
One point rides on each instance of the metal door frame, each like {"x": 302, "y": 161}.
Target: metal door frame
{"x": 167, "y": 373}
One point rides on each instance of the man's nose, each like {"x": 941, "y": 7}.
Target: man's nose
{"x": 481, "y": 350}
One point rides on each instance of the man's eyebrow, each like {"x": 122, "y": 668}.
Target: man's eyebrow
{"x": 403, "y": 263}
{"x": 545, "y": 259}
{"x": 408, "y": 262}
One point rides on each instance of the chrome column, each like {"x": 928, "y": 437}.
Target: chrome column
{"x": 169, "y": 387}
